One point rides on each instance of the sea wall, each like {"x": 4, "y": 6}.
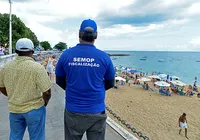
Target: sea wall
{"x": 122, "y": 54}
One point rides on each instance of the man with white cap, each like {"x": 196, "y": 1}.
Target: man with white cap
{"x": 22, "y": 81}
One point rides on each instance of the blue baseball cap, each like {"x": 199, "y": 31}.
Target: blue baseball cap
{"x": 88, "y": 25}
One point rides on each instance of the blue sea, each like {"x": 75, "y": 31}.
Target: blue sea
{"x": 181, "y": 64}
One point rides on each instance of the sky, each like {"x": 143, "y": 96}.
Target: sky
{"x": 142, "y": 25}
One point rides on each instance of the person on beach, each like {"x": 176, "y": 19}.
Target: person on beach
{"x": 195, "y": 88}
{"x": 195, "y": 78}
{"x": 22, "y": 81}
{"x": 2, "y": 50}
{"x": 85, "y": 72}
{"x": 183, "y": 124}
{"x": 50, "y": 66}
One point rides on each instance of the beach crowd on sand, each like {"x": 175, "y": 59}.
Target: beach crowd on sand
{"x": 157, "y": 82}
{"x": 155, "y": 104}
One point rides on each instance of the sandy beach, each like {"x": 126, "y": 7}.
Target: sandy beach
{"x": 153, "y": 114}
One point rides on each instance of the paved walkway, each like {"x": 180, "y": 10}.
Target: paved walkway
{"x": 54, "y": 122}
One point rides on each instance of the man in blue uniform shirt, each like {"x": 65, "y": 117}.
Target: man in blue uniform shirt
{"x": 85, "y": 72}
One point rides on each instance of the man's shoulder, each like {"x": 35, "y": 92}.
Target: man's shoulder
{"x": 35, "y": 65}
{"x": 102, "y": 53}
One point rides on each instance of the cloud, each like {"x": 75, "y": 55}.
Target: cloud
{"x": 144, "y": 12}
{"x": 122, "y": 24}
{"x": 194, "y": 9}
{"x": 195, "y": 41}
{"x": 121, "y": 29}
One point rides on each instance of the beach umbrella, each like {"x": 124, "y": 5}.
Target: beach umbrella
{"x": 160, "y": 73}
{"x": 144, "y": 79}
{"x": 155, "y": 77}
{"x": 174, "y": 77}
{"x": 135, "y": 71}
{"x": 178, "y": 83}
{"x": 120, "y": 78}
{"x": 162, "y": 76}
{"x": 162, "y": 84}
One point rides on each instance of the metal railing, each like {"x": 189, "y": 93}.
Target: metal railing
{"x": 128, "y": 126}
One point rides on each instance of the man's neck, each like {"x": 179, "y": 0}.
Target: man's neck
{"x": 85, "y": 42}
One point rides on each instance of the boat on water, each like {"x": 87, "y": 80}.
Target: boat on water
{"x": 198, "y": 61}
{"x": 161, "y": 60}
{"x": 114, "y": 58}
{"x": 143, "y": 59}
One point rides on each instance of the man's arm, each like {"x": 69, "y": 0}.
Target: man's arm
{"x": 61, "y": 81}
{"x": 44, "y": 84}
{"x": 46, "y": 96}
{"x": 109, "y": 77}
{"x": 3, "y": 91}
{"x": 179, "y": 120}
{"x": 60, "y": 73}
{"x": 108, "y": 84}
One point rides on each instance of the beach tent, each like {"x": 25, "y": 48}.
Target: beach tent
{"x": 143, "y": 79}
{"x": 120, "y": 78}
{"x": 155, "y": 77}
{"x": 162, "y": 84}
{"x": 178, "y": 83}
{"x": 163, "y": 76}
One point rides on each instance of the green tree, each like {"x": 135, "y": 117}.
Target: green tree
{"x": 60, "y": 46}
{"x": 19, "y": 30}
{"x": 46, "y": 45}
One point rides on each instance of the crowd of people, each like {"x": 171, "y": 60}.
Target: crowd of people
{"x": 132, "y": 78}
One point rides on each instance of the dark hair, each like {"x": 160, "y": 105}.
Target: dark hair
{"x": 184, "y": 114}
{"x": 21, "y": 53}
{"x": 88, "y": 36}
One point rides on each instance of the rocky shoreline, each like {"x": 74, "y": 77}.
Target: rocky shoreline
{"x": 122, "y": 54}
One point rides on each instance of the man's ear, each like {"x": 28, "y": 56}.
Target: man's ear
{"x": 95, "y": 36}
{"x": 79, "y": 34}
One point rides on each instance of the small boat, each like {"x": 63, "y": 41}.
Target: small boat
{"x": 161, "y": 60}
{"x": 114, "y": 58}
{"x": 143, "y": 59}
{"x": 198, "y": 61}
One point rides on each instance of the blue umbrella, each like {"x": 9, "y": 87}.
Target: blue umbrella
{"x": 134, "y": 71}
{"x": 159, "y": 73}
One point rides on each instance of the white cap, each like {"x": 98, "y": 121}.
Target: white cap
{"x": 24, "y": 45}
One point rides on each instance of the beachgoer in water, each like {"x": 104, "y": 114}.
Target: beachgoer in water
{"x": 183, "y": 124}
